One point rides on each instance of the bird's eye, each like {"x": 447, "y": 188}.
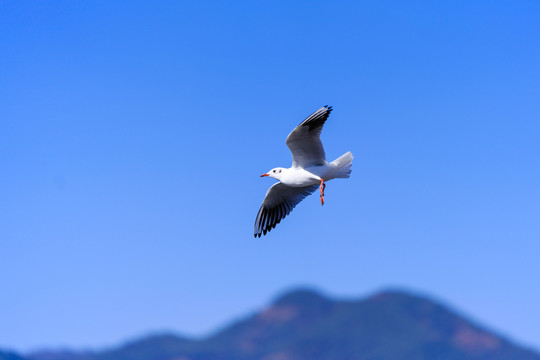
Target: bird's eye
{"x": 274, "y": 170}
{"x": 279, "y": 170}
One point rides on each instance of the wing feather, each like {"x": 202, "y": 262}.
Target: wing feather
{"x": 305, "y": 141}
{"x": 279, "y": 201}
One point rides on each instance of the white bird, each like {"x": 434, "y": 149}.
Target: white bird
{"x": 309, "y": 170}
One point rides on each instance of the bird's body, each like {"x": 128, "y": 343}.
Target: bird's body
{"x": 309, "y": 170}
{"x": 299, "y": 177}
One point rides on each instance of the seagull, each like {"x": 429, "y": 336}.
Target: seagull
{"x": 309, "y": 171}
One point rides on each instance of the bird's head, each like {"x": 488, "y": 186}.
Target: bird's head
{"x": 276, "y": 173}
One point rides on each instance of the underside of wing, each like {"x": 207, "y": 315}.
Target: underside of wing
{"x": 305, "y": 141}
{"x": 279, "y": 201}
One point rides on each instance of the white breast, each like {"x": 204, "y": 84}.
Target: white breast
{"x": 298, "y": 177}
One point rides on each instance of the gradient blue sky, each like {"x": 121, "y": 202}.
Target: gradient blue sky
{"x": 133, "y": 134}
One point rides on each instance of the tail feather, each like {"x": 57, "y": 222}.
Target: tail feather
{"x": 343, "y": 165}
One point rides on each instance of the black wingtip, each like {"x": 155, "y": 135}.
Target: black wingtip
{"x": 318, "y": 118}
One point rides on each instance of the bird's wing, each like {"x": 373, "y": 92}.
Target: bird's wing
{"x": 305, "y": 141}
{"x": 279, "y": 201}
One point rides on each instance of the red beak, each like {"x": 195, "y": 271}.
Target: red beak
{"x": 263, "y": 175}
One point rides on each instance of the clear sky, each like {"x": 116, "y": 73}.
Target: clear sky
{"x": 133, "y": 134}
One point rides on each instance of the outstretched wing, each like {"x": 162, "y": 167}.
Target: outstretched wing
{"x": 305, "y": 141}
{"x": 279, "y": 201}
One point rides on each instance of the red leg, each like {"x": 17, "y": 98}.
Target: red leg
{"x": 321, "y": 189}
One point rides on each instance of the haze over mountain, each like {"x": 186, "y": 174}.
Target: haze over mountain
{"x": 6, "y": 355}
{"x": 303, "y": 324}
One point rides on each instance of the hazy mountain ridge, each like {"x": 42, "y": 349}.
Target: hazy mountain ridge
{"x": 7, "y": 355}
{"x": 303, "y": 324}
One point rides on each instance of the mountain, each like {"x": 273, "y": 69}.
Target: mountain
{"x": 6, "y": 355}
{"x": 305, "y": 325}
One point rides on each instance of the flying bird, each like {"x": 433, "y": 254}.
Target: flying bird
{"x": 309, "y": 171}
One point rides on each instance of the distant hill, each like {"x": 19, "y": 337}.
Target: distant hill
{"x": 305, "y": 325}
{"x": 5, "y": 355}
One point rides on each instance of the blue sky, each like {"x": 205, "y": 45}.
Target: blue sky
{"x": 133, "y": 134}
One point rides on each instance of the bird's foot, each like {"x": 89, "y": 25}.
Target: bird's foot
{"x": 321, "y": 189}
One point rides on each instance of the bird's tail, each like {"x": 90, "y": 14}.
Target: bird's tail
{"x": 343, "y": 165}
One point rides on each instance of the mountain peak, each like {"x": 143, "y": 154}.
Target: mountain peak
{"x": 398, "y": 294}
{"x": 300, "y": 297}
